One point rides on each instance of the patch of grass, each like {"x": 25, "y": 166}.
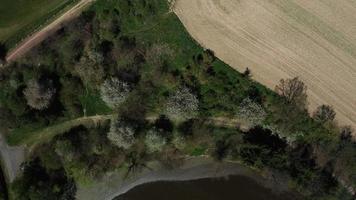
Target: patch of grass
{"x": 35, "y": 135}
{"x": 93, "y": 104}
{"x": 198, "y": 151}
{"x": 18, "y": 18}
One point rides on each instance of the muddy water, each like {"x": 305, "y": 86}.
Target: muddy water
{"x": 232, "y": 188}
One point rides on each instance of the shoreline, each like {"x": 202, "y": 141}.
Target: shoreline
{"x": 114, "y": 185}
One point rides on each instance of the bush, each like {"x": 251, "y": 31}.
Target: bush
{"x": 183, "y": 104}
{"x": 114, "y": 92}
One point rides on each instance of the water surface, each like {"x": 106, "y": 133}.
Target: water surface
{"x": 232, "y": 188}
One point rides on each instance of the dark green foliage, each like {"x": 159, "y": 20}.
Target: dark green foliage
{"x": 38, "y": 183}
{"x": 3, "y": 52}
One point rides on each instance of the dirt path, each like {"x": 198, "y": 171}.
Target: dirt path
{"x": 11, "y": 159}
{"x": 315, "y": 40}
{"x": 42, "y": 34}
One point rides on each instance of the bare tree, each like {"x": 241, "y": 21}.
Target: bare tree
{"x": 39, "y": 95}
{"x": 324, "y": 113}
{"x": 114, "y": 92}
{"x": 293, "y": 90}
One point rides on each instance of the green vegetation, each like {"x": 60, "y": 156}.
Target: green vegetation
{"x": 162, "y": 91}
{"x": 30, "y": 137}
{"x": 3, "y": 188}
{"x": 18, "y": 18}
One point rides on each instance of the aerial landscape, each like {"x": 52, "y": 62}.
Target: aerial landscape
{"x": 177, "y": 99}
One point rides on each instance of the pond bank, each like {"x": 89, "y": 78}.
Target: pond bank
{"x": 113, "y": 184}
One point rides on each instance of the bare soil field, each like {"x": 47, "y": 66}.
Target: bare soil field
{"x": 315, "y": 40}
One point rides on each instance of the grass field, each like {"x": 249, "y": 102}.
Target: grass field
{"x": 18, "y": 18}
{"x": 315, "y": 40}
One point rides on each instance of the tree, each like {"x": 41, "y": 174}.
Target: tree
{"x": 182, "y": 104}
{"x": 154, "y": 141}
{"x": 90, "y": 67}
{"x": 324, "y": 113}
{"x": 37, "y": 183}
{"x": 39, "y": 95}
{"x": 252, "y": 112}
{"x": 247, "y": 73}
{"x": 293, "y": 90}
{"x": 178, "y": 141}
{"x": 114, "y": 92}
{"x": 121, "y": 133}
{"x": 158, "y": 53}
{"x": 346, "y": 134}
{"x": 3, "y": 52}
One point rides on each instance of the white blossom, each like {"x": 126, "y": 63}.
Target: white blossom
{"x": 114, "y": 92}
{"x": 182, "y": 104}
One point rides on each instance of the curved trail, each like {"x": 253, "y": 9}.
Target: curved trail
{"x": 315, "y": 40}
{"x": 42, "y": 34}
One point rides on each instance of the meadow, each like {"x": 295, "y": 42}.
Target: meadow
{"x": 18, "y": 18}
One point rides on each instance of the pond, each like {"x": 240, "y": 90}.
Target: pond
{"x": 231, "y": 188}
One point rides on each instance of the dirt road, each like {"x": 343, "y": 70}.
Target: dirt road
{"x": 11, "y": 159}
{"x": 315, "y": 40}
{"x": 42, "y": 34}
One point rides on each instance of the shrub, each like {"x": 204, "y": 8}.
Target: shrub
{"x": 39, "y": 95}
{"x": 154, "y": 141}
{"x": 178, "y": 141}
{"x": 114, "y": 92}
{"x": 121, "y": 134}
{"x": 183, "y": 104}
